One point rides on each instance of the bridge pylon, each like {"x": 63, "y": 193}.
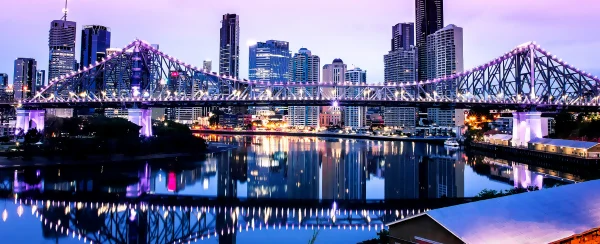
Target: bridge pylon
{"x": 143, "y": 118}
{"x": 29, "y": 119}
{"x": 526, "y": 126}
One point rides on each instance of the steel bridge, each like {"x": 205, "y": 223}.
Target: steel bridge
{"x": 141, "y": 76}
{"x": 526, "y": 79}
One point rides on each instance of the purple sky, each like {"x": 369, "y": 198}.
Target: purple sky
{"x": 358, "y": 31}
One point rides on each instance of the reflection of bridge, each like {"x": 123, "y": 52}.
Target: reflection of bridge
{"x": 148, "y": 223}
{"x": 140, "y": 76}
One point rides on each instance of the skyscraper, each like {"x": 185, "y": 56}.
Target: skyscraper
{"x": 229, "y": 47}
{"x": 333, "y": 73}
{"x": 355, "y": 116}
{"x": 403, "y": 36}
{"x": 429, "y": 18}
{"x": 24, "y": 78}
{"x": 40, "y": 79}
{"x": 207, "y": 65}
{"x": 3, "y": 81}
{"x": 269, "y": 61}
{"x": 61, "y": 42}
{"x": 95, "y": 39}
{"x": 400, "y": 66}
{"x": 304, "y": 68}
{"x": 444, "y": 57}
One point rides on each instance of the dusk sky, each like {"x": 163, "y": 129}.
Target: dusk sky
{"x": 357, "y": 31}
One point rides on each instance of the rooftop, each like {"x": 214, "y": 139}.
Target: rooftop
{"x": 534, "y": 217}
{"x": 564, "y": 143}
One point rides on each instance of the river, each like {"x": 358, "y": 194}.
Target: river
{"x": 283, "y": 171}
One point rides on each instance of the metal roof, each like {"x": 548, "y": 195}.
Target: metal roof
{"x": 501, "y": 137}
{"x": 534, "y": 217}
{"x": 564, "y": 143}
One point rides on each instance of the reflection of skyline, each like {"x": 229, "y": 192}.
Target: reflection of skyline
{"x": 298, "y": 168}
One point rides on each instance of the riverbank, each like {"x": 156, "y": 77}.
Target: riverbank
{"x": 324, "y": 134}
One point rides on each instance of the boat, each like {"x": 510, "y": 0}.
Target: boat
{"x": 451, "y": 142}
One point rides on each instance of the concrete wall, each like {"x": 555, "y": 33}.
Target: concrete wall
{"x": 422, "y": 226}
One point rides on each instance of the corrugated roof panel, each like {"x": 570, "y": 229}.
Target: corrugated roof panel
{"x": 534, "y": 217}
{"x": 564, "y": 143}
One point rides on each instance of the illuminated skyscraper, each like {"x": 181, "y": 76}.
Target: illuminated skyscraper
{"x": 24, "y": 78}
{"x": 355, "y": 116}
{"x": 429, "y": 18}
{"x": 304, "y": 68}
{"x": 229, "y": 48}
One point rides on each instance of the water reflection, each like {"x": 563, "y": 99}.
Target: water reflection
{"x": 262, "y": 167}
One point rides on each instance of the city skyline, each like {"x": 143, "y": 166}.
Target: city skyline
{"x": 371, "y": 32}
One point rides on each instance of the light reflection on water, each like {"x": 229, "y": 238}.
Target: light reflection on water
{"x": 266, "y": 167}
{"x": 326, "y": 168}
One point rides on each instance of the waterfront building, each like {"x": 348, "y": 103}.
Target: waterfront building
{"x": 401, "y": 66}
{"x": 333, "y": 73}
{"x": 355, "y": 116}
{"x": 40, "y": 79}
{"x": 304, "y": 68}
{"x": 505, "y": 125}
{"x": 24, "y": 78}
{"x": 429, "y": 18}
{"x": 3, "y": 85}
{"x": 207, "y": 65}
{"x": 530, "y": 223}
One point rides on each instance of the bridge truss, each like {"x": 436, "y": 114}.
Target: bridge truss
{"x": 142, "y": 76}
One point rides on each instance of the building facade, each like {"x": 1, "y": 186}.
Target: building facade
{"x": 207, "y": 65}
{"x": 304, "y": 68}
{"x": 24, "y": 78}
{"x": 333, "y": 73}
{"x": 400, "y": 65}
{"x": 429, "y": 18}
{"x": 95, "y": 39}
{"x": 3, "y": 81}
{"x": 229, "y": 48}
{"x": 61, "y": 43}
{"x": 269, "y": 61}
{"x": 40, "y": 79}
{"x": 444, "y": 58}
{"x": 355, "y": 116}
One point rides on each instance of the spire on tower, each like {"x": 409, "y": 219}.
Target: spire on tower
{"x": 65, "y": 10}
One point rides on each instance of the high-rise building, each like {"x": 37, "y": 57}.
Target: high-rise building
{"x": 40, "y": 79}
{"x": 95, "y": 39}
{"x": 444, "y": 57}
{"x": 61, "y": 43}
{"x": 269, "y": 61}
{"x": 24, "y": 78}
{"x": 403, "y": 36}
{"x": 429, "y": 18}
{"x": 304, "y": 68}
{"x": 3, "y": 81}
{"x": 229, "y": 48}
{"x": 355, "y": 116}
{"x": 401, "y": 66}
{"x": 333, "y": 73}
{"x": 207, "y": 65}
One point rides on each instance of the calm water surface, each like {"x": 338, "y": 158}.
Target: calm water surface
{"x": 262, "y": 167}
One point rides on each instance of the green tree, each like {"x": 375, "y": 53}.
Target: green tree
{"x": 33, "y": 136}
{"x": 564, "y": 124}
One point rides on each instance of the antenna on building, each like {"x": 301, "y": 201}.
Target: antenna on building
{"x": 65, "y": 10}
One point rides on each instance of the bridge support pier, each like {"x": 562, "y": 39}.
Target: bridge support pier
{"x": 29, "y": 119}
{"x": 143, "y": 118}
{"x": 526, "y": 126}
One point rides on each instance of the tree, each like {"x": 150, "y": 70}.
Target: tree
{"x": 564, "y": 124}
{"x": 33, "y": 136}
